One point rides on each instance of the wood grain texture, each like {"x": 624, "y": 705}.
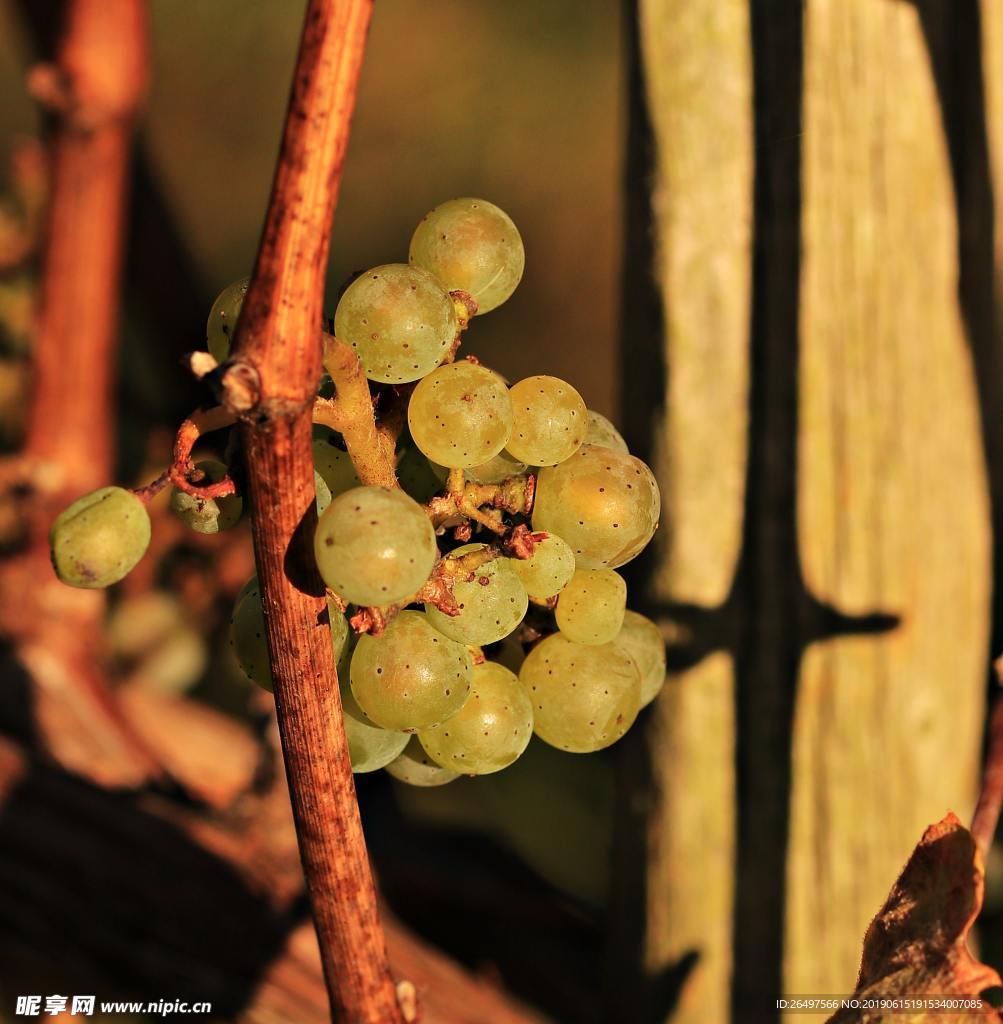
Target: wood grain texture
{"x": 892, "y": 501}
{"x": 824, "y": 566}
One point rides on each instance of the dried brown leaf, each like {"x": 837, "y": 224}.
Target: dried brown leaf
{"x": 916, "y": 947}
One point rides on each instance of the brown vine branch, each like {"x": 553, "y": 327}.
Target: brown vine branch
{"x": 95, "y": 86}
{"x": 350, "y": 413}
{"x": 270, "y": 382}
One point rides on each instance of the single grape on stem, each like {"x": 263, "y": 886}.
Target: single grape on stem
{"x": 471, "y": 245}
{"x": 399, "y": 320}
{"x": 374, "y": 546}
{"x": 97, "y": 540}
{"x": 460, "y": 415}
{"x": 490, "y": 731}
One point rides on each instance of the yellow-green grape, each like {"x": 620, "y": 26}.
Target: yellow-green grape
{"x": 460, "y": 415}
{"x": 641, "y": 639}
{"x": 223, "y": 318}
{"x": 584, "y": 697}
{"x": 549, "y": 569}
{"x": 208, "y": 515}
{"x": 496, "y": 469}
{"x": 491, "y": 598}
{"x": 369, "y": 746}
{"x": 604, "y": 503}
{"x": 410, "y": 676}
{"x": 374, "y": 546}
{"x": 417, "y": 476}
{"x": 335, "y": 466}
{"x": 549, "y": 421}
{"x": 490, "y": 731}
{"x": 471, "y": 244}
{"x": 399, "y": 320}
{"x": 591, "y": 607}
{"x": 416, "y": 768}
{"x": 601, "y": 432}
{"x": 98, "y": 539}
{"x": 250, "y": 644}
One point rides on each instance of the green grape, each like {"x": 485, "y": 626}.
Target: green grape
{"x": 496, "y": 469}
{"x": 223, "y": 318}
{"x": 549, "y": 420}
{"x": 491, "y": 598}
{"x": 548, "y": 569}
{"x": 590, "y": 608}
{"x": 604, "y": 503}
{"x": 490, "y": 731}
{"x": 584, "y": 697}
{"x": 374, "y": 546}
{"x": 641, "y": 639}
{"x": 416, "y": 768}
{"x": 322, "y": 493}
{"x": 601, "y": 432}
{"x": 471, "y": 244}
{"x": 460, "y": 415}
{"x": 369, "y": 746}
{"x": 98, "y": 539}
{"x": 410, "y": 676}
{"x": 250, "y": 643}
{"x": 207, "y": 515}
{"x": 335, "y": 466}
{"x": 417, "y": 475}
{"x": 399, "y": 320}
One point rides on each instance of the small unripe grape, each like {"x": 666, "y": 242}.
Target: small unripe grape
{"x": 208, "y": 515}
{"x": 416, "y": 768}
{"x": 584, "y": 698}
{"x": 369, "y": 746}
{"x": 591, "y": 607}
{"x": 223, "y": 318}
{"x": 549, "y": 569}
{"x": 374, "y": 546}
{"x": 491, "y": 598}
{"x": 490, "y": 731}
{"x": 399, "y": 320}
{"x": 496, "y": 469}
{"x": 460, "y": 415}
{"x": 601, "y": 432}
{"x": 249, "y": 640}
{"x": 641, "y": 639}
{"x": 410, "y": 676}
{"x": 549, "y": 421}
{"x": 471, "y": 244}
{"x": 604, "y": 503}
{"x": 98, "y": 539}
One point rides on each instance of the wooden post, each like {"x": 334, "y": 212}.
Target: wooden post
{"x": 824, "y": 569}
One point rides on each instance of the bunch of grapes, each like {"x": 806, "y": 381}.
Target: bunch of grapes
{"x": 479, "y": 601}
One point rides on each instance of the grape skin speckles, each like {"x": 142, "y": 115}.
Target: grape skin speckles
{"x": 460, "y": 415}
{"x": 410, "y": 677}
{"x": 473, "y": 246}
{"x": 604, "y": 503}
{"x": 584, "y": 698}
{"x": 549, "y": 421}
{"x": 374, "y": 546}
{"x": 399, "y": 320}
{"x": 490, "y": 731}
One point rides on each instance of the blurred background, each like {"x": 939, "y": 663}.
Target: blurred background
{"x": 763, "y": 239}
